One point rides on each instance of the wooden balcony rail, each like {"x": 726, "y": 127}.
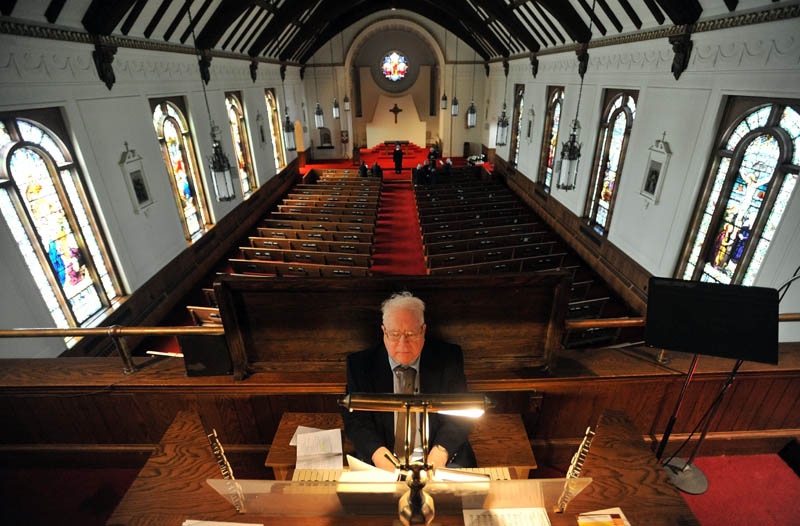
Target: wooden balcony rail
{"x": 602, "y": 323}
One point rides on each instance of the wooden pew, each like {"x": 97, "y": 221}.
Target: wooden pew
{"x": 211, "y": 299}
{"x": 522, "y": 218}
{"x": 303, "y": 270}
{"x": 492, "y": 254}
{"x": 353, "y": 217}
{"x": 306, "y": 256}
{"x": 205, "y": 316}
{"x": 433, "y": 219}
{"x": 580, "y": 289}
{"x": 467, "y": 207}
{"x": 326, "y": 203}
{"x": 315, "y": 234}
{"x": 586, "y": 309}
{"x": 331, "y": 209}
{"x": 512, "y": 323}
{"x": 330, "y": 226}
{"x": 466, "y": 245}
{"x": 484, "y": 232}
{"x": 531, "y": 264}
{"x": 372, "y": 185}
{"x": 437, "y": 193}
{"x": 308, "y": 245}
{"x": 314, "y": 190}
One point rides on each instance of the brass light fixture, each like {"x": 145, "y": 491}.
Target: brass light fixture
{"x": 502, "y": 122}
{"x": 472, "y": 113}
{"x": 288, "y": 125}
{"x": 444, "y": 94}
{"x": 454, "y": 105}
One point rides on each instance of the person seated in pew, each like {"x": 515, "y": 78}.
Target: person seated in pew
{"x": 447, "y": 166}
{"x": 415, "y": 174}
{"x": 377, "y": 171}
{"x": 407, "y": 363}
{"x": 362, "y": 169}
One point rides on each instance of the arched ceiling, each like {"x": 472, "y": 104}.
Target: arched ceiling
{"x": 293, "y": 30}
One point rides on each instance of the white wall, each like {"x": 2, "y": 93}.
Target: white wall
{"x": 45, "y": 74}
{"x": 759, "y": 60}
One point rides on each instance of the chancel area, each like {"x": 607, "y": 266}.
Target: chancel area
{"x": 206, "y": 202}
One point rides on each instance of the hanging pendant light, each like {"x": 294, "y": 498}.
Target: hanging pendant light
{"x": 220, "y": 165}
{"x": 288, "y": 125}
{"x": 454, "y": 104}
{"x": 346, "y": 99}
{"x": 571, "y": 149}
{"x": 444, "y": 94}
{"x": 472, "y": 113}
{"x": 502, "y": 122}
{"x": 319, "y": 117}
{"x": 335, "y": 86}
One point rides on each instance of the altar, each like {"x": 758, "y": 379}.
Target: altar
{"x": 395, "y": 117}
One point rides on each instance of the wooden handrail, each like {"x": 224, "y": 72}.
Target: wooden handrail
{"x": 110, "y": 331}
{"x": 602, "y": 323}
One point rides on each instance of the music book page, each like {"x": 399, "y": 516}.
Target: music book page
{"x": 507, "y": 517}
{"x": 320, "y": 450}
{"x": 301, "y": 430}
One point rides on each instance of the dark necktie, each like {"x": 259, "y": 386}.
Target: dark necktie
{"x": 406, "y": 377}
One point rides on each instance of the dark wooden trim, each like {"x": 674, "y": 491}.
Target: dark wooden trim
{"x": 625, "y": 277}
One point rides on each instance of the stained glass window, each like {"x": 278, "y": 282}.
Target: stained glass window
{"x": 555, "y": 103}
{"x": 176, "y": 144}
{"x": 516, "y": 123}
{"x": 241, "y": 144}
{"x": 394, "y": 66}
{"x": 43, "y": 202}
{"x": 615, "y": 128}
{"x": 275, "y": 130}
{"x": 742, "y": 204}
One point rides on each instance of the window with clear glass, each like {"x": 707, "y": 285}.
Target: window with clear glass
{"x": 52, "y": 220}
{"x": 552, "y": 119}
{"x": 177, "y": 146}
{"x": 612, "y": 143}
{"x": 241, "y": 143}
{"x": 275, "y": 130}
{"x": 754, "y": 173}
{"x": 516, "y": 123}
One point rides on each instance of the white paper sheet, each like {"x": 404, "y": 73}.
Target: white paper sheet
{"x": 507, "y": 517}
{"x": 301, "y": 430}
{"x": 320, "y": 450}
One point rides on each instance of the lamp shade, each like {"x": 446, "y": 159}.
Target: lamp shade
{"x": 288, "y": 133}
{"x": 444, "y": 101}
{"x": 502, "y": 128}
{"x": 454, "y": 107}
{"x": 346, "y": 103}
{"x": 472, "y": 115}
{"x": 464, "y": 404}
{"x": 335, "y": 108}
{"x": 570, "y": 159}
{"x": 319, "y": 117}
{"x": 221, "y": 173}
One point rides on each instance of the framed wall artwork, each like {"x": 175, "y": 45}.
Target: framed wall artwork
{"x": 656, "y": 170}
{"x": 135, "y": 179}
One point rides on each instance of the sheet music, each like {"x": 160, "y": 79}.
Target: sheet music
{"x": 301, "y": 430}
{"x": 507, "y": 517}
{"x": 320, "y": 450}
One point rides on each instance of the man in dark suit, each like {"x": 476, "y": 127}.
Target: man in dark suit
{"x": 397, "y": 157}
{"x": 438, "y": 368}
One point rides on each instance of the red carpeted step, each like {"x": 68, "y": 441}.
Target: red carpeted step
{"x": 398, "y": 245}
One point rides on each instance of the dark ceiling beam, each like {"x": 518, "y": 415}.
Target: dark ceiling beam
{"x": 473, "y": 23}
{"x": 177, "y": 20}
{"x": 151, "y": 26}
{"x": 593, "y": 16}
{"x": 53, "y": 10}
{"x": 568, "y": 18}
{"x": 7, "y": 6}
{"x": 247, "y": 29}
{"x": 133, "y": 16}
{"x": 239, "y": 24}
{"x": 610, "y": 14}
{"x": 653, "y": 7}
{"x": 359, "y": 11}
{"x": 223, "y": 18}
{"x": 547, "y": 18}
{"x": 261, "y": 22}
{"x": 626, "y": 6}
{"x": 506, "y": 17}
{"x": 196, "y": 17}
{"x": 731, "y": 4}
{"x": 102, "y": 16}
{"x": 528, "y": 20}
{"x": 287, "y": 14}
{"x": 681, "y": 12}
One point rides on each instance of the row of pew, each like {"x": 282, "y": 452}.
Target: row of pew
{"x": 323, "y": 229}
{"x": 471, "y": 226}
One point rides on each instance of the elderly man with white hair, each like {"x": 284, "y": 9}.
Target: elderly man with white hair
{"x": 407, "y": 363}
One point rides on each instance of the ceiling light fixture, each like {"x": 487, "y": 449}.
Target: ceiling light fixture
{"x": 472, "y": 113}
{"x": 502, "y": 122}
{"x": 444, "y": 89}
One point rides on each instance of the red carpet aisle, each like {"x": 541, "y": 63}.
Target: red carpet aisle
{"x": 397, "y": 246}
{"x": 747, "y": 490}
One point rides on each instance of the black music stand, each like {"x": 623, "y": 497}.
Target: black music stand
{"x": 709, "y": 319}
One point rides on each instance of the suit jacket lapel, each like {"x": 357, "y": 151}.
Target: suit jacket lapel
{"x": 384, "y": 383}
{"x": 429, "y": 382}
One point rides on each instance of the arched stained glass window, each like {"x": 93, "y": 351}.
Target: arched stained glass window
{"x": 43, "y": 201}
{"x": 241, "y": 144}
{"x": 555, "y": 103}
{"x": 612, "y": 142}
{"x": 275, "y": 130}
{"x": 755, "y": 171}
{"x": 516, "y": 126}
{"x": 176, "y": 144}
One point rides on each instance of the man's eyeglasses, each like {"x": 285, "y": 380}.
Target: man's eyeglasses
{"x": 395, "y": 336}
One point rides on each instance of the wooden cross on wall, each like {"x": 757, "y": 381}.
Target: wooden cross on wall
{"x": 395, "y": 110}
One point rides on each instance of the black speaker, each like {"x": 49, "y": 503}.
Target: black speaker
{"x": 711, "y": 319}
{"x": 205, "y": 355}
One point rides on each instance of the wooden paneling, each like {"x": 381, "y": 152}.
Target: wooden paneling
{"x": 151, "y": 302}
{"x": 622, "y": 274}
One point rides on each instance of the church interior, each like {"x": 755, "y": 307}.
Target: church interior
{"x": 204, "y": 203}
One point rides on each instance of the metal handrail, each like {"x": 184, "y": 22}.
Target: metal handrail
{"x": 603, "y": 323}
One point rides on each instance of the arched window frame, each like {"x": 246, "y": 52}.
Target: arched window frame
{"x": 516, "y": 123}
{"x": 241, "y": 143}
{"x": 602, "y": 151}
{"x": 276, "y": 130}
{"x": 787, "y": 169}
{"x": 66, "y": 178}
{"x": 193, "y": 170}
{"x": 552, "y": 124}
